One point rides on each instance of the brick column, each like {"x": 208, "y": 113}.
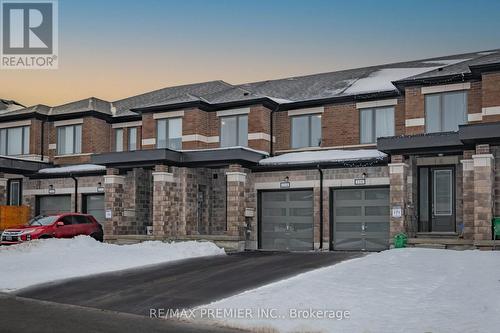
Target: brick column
{"x": 164, "y": 202}
{"x": 236, "y": 179}
{"x": 3, "y": 190}
{"x": 398, "y": 171}
{"x": 113, "y": 200}
{"x": 468, "y": 198}
{"x": 483, "y": 194}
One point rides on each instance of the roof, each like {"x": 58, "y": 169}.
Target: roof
{"x": 9, "y": 105}
{"x": 373, "y": 81}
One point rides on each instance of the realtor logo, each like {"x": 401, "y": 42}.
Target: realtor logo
{"x": 29, "y": 34}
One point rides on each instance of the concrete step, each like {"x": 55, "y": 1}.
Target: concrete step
{"x": 431, "y": 246}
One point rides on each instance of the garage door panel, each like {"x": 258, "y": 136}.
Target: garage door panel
{"x": 361, "y": 219}
{"x": 347, "y": 244}
{"x": 286, "y": 220}
{"x": 54, "y": 204}
{"x": 94, "y": 205}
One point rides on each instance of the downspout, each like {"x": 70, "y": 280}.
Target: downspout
{"x": 76, "y": 192}
{"x": 42, "y": 140}
{"x": 271, "y": 145}
{"x": 320, "y": 207}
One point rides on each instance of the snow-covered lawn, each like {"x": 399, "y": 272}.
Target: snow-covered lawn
{"x": 401, "y": 290}
{"x": 47, "y": 260}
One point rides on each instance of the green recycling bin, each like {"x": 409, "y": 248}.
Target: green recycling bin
{"x": 400, "y": 240}
{"x": 496, "y": 227}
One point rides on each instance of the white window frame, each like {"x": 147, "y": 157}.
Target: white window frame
{"x": 373, "y": 111}
{"x": 25, "y": 140}
{"x": 309, "y": 117}
{"x": 237, "y": 137}
{"x": 167, "y": 121}
{"x": 119, "y": 132}
{"x": 77, "y": 146}
{"x": 131, "y": 130}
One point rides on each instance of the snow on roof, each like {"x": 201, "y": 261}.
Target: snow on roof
{"x": 382, "y": 79}
{"x": 445, "y": 61}
{"x": 335, "y": 155}
{"x": 80, "y": 168}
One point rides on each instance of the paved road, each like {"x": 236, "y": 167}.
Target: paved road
{"x": 183, "y": 284}
{"x": 33, "y": 316}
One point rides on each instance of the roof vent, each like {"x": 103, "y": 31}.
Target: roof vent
{"x": 440, "y": 69}
{"x": 245, "y": 94}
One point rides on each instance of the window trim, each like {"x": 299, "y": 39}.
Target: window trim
{"x": 237, "y": 136}
{"x": 73, "y": 150}
{"x": 167, "y": 131}
{"x": 24, "y": 129}
{"x": 129, "y": 131}
{"x": 374, "y": 122}
{"x": 117, "y": 130}
{"x": 441, "y": 108}
{"x": 309, "y": 128}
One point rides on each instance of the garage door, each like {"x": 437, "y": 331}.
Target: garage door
{"x": 94, "y": 205}
{"x": 54, "y": 204}
{"x": 286, "y": 220}
{"x": 361, "y": 219}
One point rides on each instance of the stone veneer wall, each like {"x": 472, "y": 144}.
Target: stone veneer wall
{"x": 137, "y": 202}
{"x": 495, "y": 150}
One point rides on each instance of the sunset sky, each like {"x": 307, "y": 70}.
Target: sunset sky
{"x": 113, "y": 49}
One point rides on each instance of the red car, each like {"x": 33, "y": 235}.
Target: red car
{"x": 54, "y": 226}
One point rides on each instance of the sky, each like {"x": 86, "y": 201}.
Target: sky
{"x": 113, "y": 49}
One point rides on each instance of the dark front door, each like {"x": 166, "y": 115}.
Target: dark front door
{"x": 437, "y": 206}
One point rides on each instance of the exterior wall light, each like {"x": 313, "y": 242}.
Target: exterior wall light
{"x": 52, "y": 190}
{"x": 100, "y": 188}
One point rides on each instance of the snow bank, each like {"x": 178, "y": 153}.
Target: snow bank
{"x": 42, "y": 261}
{"x": 73, "y": 168}
{"x": 324, "y": 156}
{"x": 401, "y": 290}
{"x": 382, "y": 79}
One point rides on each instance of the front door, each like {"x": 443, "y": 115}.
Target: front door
{"x": 437, "y": 207}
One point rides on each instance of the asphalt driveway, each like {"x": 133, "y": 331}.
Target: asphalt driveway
{"x": 182, "y": 284}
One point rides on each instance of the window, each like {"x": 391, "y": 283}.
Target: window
{"x": 306, "y": 131}
{"x": 119, "y": 139}
{"x": 15, "y": 140}
{"x": 69, "y": 140}
{"x": 169, "y": 133}
{"x": 234, "y": 131}
{"x": 445, "y": 111}
{"x": 375, "y": 123}
{"x": 14, "y": 192}
{"x": 79, "y": 219}
{"x": 132, "y": 138}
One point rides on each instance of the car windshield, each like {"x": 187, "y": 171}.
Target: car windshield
{"x": 42, "y": 220}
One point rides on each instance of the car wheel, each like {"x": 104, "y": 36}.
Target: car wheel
{"x": 97, "y": 236}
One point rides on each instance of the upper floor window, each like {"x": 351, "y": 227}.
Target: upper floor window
{"x": 119, "y": 139}
{"x": 132, "y": 138}
{"x": 445, "y": 111}
{"x": 15, "y": 140}
{"x": 375, "y": 123}
{"x": 69, "y": 139}
{"x": 306, "y": 131}
{"x": 169, "y": 133}
{"x": 234, "y": 131}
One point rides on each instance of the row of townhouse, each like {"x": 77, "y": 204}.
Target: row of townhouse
{"x": 342, "y": 160}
